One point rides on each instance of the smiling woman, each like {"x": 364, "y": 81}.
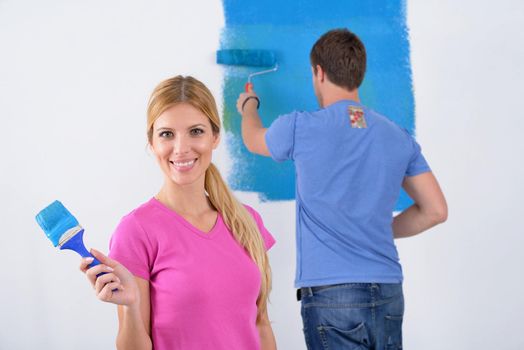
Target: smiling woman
{"x": 192, "y": 258}
{"x": 183, "y": 141}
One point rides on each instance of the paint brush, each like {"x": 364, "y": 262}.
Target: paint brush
{"x": 249, "y": 58}
{"x": 63, "y": 229}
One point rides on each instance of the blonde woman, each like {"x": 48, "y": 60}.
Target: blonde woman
{"x": 188, "y": 269}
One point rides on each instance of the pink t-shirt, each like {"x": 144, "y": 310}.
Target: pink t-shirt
{"x": 203, "y": 286}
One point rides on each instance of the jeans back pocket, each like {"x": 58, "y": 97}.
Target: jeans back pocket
{"x": 335, "y": 338}
{"x": 393, "y": 333}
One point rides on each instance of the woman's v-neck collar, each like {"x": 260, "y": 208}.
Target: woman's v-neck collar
{"x": 181, "y": 219}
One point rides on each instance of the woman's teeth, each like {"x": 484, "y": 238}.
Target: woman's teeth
{"x": 184, "y": 164}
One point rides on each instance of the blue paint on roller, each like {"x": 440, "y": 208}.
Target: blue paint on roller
{"x": 250, "y": 58}
{"x": 290, "y": 31}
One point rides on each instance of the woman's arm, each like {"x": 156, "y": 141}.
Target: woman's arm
{"x": 267, "y": 339}
{"x": 113, "y": 283}
{"x": 134, "y": 325}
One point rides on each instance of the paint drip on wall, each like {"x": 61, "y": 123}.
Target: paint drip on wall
{"x": 290, "y": 29}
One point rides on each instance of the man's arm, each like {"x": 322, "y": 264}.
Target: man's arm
{"x": 429, "y": 209}
{"x": 253, "y": 132}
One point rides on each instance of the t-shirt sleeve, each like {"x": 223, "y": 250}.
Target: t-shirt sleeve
{"x": 417, "y": 164}
{"x": 280, "y": 137}
{"x": 129, "y": 245}
{"x": 268, "y": 238}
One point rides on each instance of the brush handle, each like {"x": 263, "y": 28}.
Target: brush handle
{"x": 249, "y": 87}
{"x": 76, "y": 243}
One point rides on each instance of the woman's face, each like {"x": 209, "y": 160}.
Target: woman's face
{"x": 183, "y": 142}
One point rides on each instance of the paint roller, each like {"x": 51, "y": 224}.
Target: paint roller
{"x": 248, "y": 58}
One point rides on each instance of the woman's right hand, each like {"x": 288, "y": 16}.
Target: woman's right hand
{"x": 117, "y": 285}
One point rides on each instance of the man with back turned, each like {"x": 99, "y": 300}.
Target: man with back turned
{"x": 350, "y": 163}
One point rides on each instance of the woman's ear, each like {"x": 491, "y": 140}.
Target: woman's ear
{"x": 150, "y": 149}
{"x": 216, "y": 140}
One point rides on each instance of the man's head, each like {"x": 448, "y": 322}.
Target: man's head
{"x": 341, "y": 57}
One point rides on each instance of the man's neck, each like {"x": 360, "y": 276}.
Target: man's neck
{"x": 334, "y": 93}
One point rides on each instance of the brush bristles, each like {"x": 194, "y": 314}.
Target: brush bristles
{"x": 56, "y": 221}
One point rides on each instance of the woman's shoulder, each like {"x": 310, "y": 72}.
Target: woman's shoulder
{"x": 266, "y": 235}
{"x": 252, "y": 211}
{"x": 256, "y": 215}
{"x": 143, "y": 211}
{"x": 136, "y": 218}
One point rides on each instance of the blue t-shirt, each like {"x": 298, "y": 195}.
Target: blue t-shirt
{"x": 350, "y": 164}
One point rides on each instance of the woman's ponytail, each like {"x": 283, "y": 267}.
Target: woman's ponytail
{"x": 243, "y": 227}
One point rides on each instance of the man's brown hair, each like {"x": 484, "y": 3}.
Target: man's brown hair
{"x": 342, "y": 56}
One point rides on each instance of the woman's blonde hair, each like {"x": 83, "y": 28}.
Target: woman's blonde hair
{"x": 241, "y": 223}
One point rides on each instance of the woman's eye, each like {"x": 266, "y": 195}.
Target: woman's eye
{"x": 196, "y": 131}
{"x": 166, "y": 134}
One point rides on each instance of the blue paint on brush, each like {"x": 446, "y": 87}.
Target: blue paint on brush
{"x": 63, "y": 229}
{"x": 55, "y": 220}
{"x": 290, "y": 30}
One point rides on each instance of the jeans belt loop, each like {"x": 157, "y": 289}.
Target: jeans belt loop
{"x": 309, "y": 291}
{"x": 304, "y": 292}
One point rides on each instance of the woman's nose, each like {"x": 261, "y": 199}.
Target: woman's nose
{"x": 181, "y": 145}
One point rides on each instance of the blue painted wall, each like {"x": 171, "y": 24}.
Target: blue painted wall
{"x": 290, "y": 29}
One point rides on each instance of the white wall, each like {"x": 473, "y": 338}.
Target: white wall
{"x": 464, "y": 279}
{"x": 74, "y": 83}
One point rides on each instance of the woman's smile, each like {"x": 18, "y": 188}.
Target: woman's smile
{"x": 183, "y": 165}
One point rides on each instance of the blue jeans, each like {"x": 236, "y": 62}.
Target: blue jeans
{"x": 353, "y": 316}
